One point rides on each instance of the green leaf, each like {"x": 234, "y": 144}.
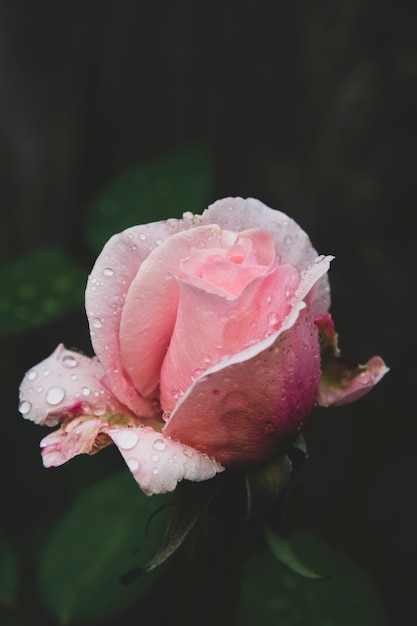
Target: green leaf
{"x": 272, "y": 595}
{"x": 102, "y": 537}
{"x": 283, "y": 551}
{"x": 162, "y": 188}
{"x": 8, "y": 572}
{"x": 38, "y": 288}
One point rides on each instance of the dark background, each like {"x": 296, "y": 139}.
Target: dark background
{"x": 308, "y": 106}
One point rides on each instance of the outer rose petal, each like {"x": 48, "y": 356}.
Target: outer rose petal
{"x": 244, "y": 411}
{"x": 291, "y": 242}
{"x": 66, "y": 384}
{"x": 158, "y": 463}
{"x": 343, "y": 381}
{"x": 109, "y": 281}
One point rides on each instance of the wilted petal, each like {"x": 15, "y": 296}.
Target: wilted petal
{"x": 78, "y": 436}
{"x": 158, "y": 463}
{"x": 342, "y": 380}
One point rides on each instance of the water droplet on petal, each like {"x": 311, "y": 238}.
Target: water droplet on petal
{"x": 96, "y": 322}
{"x": 45, "y": 372}
{"x": 155, "y": 458}
{"x": 155, "y": 470}
{"x": 39, "y": 389}
{"x": 269, "y": 298}
{"x": 187, "y": 452}
{"x": 85, "y": 391}
{"x": 142, "y": 237}
{"x": 126, "y": 439}
{"x": 74, "y": 377}
{"x": 24, "y": 407}
{"x": 288, "y": 240}
{"x": 55, "y": 395}
{"x": 132, "y": 464}
{"x": 69, "y": 361}
{"x": 108, "y": 271}
{"x": 32, "y": 374}
{"x": 206, "y": 358}
{"x": 196, "y": 373}
{"x": 273, "y": 318}
{"x": 159, "y": 444}
{"x": 269, "y": 427}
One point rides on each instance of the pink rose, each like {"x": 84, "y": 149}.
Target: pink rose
{"x": 207, "y": 332}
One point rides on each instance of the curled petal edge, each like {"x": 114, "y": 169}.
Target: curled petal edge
{"x": 343, "y": 381}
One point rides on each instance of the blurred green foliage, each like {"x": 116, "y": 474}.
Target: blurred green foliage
{"x": 162, "y": 188}
{"x": 273, "y": 595}
{"x": 100, "y": 538}
{"x": 39, "y": 288}
{"x": 8, "y": 572}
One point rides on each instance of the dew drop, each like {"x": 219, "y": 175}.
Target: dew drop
{"x": 142, "y": 237}
{"x": 269, "y": 427}
{"x": 99, "y": 410}
{"x": 155, "y": 458}
{"x": 96, "y": 322}
{"x": 132, "y": 464}
{"x": 159, "y": 444}
{"x": 39, "y": 389}
{"x": 187, "y": 452}
{"x": 269, "y": 298}
{"x": 273, "y": 318}
{"x": 206, "y": 358}
{"x": 32, "y": 374}
{"x": 155, "y": 471}
{"x": 108, "y": 271}
{"x": 55, "y": 395}
{"x": 69, "y": 361}
{"x": 166, "y": 415}
{"x": 74, "y": 377}
{"x": 288, "y": 240}
{"x": 158, "y": 242}
{"x": 126, "y": 439}
{"x": 196, "y": 373}
{"x": 85, "y": 391}
{"x": 45, "y": 372}
{"x": 24, "y": 407}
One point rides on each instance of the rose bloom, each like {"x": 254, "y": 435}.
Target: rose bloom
{"x": 213, "y": 344}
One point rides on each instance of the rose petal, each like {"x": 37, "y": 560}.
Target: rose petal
{"x": 342, "y": 380}
{"x": 65, "y": 384}
{"x": 157, "y": 463}
{"x": 210, "y": 327}
{"x": 244, "y": 411}
{"x": 79, "y": 436}
{"x": 108, "y": 283}
{"x": 150, "y": 308}
{"x": 291, "y": 242}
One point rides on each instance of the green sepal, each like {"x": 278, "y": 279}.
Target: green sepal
{"x": 265, "y": 483}
{"x": 190, "y": 501}
{"x": 283, "y": 551}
